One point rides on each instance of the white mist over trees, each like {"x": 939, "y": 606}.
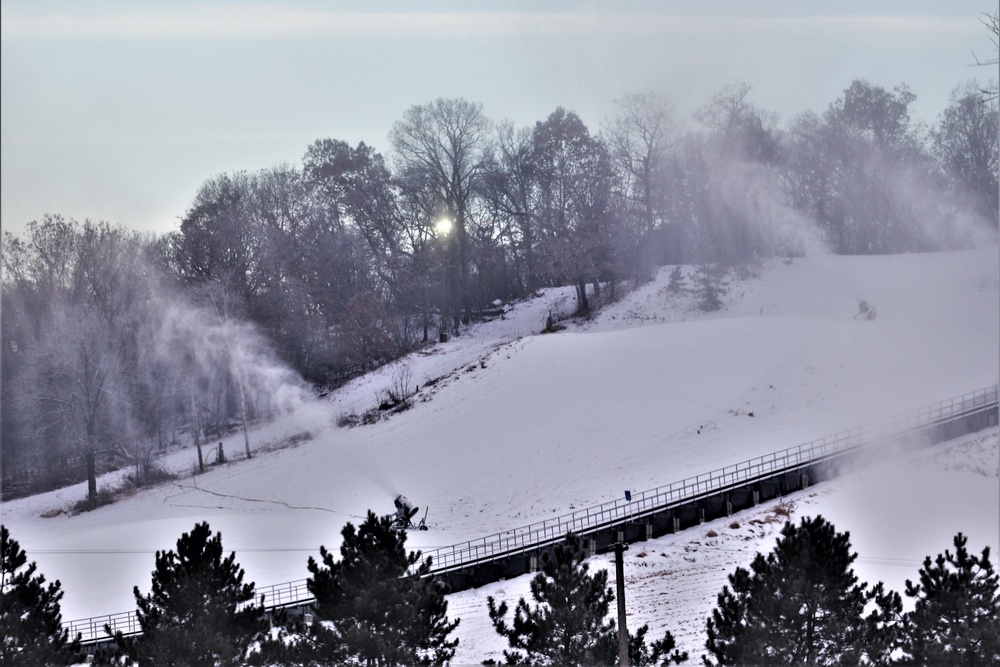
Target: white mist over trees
{"x": 117, "y": 344}
{"x": 965, "y": 144}
{"x": 104, "y": 361}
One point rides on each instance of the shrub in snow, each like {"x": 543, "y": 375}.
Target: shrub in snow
{"x": 397, "y": 396}
{"x": 104, "y": 496}
{"x": 348, "y": 419}
{"x": 30, "y": 617}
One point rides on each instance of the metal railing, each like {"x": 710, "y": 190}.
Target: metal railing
{"x": 92, "y": 629}
{"x": 643, "y": 503}
{"x": 591, "y": 519}
{"x": 285, "y": 595}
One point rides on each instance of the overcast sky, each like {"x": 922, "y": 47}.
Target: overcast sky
{"x": 118, "y": 111}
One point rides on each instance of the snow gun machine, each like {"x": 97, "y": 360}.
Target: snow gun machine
{"x": 405, "y": 511}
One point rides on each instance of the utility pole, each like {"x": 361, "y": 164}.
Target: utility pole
{"x": 620, "y": 547}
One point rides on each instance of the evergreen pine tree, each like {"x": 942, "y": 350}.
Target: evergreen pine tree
{"x": 378, "y": 609}
{"x": 709, "y": 287}
{"x": 30, "y": 618}
{"x": 800, "y": 605}
{"x": 569, "y": 623}
{"x": 676, "y": 281}
{"x": 956, "y": 614}
{"x": 882, "y": 627}
{"x": 199, "y": 612}
{"x": 662, "y": 651}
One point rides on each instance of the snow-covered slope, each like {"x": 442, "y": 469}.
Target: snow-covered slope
{"x": 897, "y": 512}
{"x": 520, "y": 426}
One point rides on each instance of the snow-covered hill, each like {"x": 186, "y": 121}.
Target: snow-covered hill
{"x": 511, "y": 426}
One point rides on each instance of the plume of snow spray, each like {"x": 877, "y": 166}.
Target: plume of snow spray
{"x": 751, "y": 189}
{"x": 224, "y": 365}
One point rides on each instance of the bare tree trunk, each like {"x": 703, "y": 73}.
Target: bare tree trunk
{"x": 91, "y": 458}
{"x": 426, "y": 313}
{"x": 463, "y": 262}
{"x": 243, "y": 404}
{"x": 582, "y": 304}
{"x": 195, "y": 434}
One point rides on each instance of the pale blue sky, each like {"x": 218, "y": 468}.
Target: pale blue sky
{"x": 118, "y": 111}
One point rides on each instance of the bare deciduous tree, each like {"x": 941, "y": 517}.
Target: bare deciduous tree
{"x": 573, "y": 173}
{"x": 445, "y": 140}
{"x": 639, "y": 138}
{"x": 965, "y": 143}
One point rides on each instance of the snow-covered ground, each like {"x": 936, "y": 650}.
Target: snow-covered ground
{"x": 520, "y": 426}
{"x": 897, "y": 511}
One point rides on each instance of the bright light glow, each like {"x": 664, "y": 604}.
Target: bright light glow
{"x": 443, "y": 226}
